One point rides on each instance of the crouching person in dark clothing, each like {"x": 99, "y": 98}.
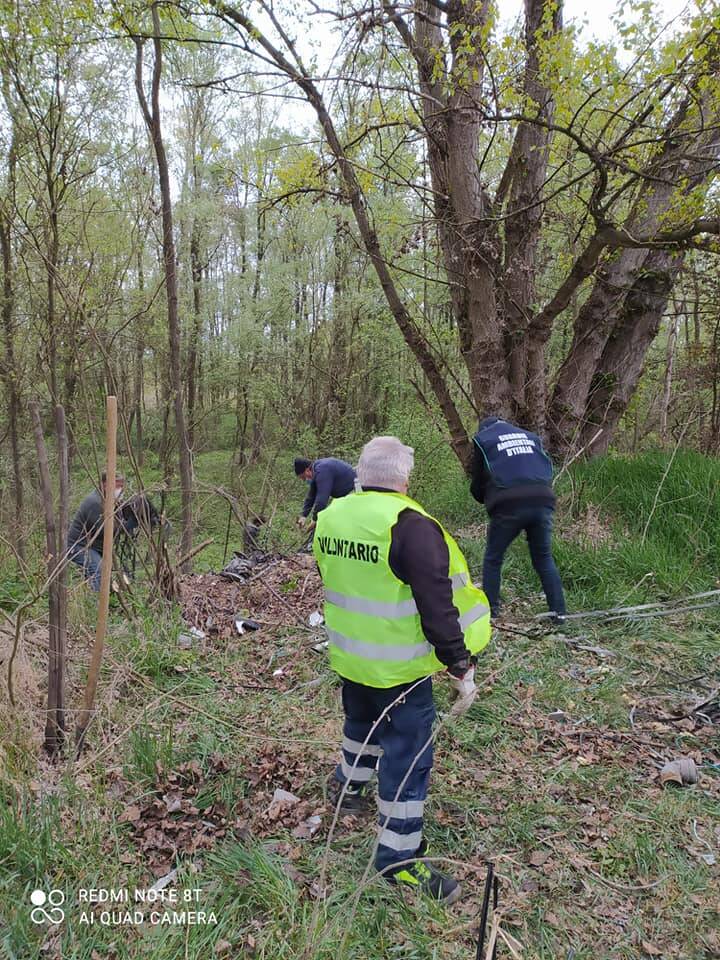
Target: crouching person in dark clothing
{"x": 399, "y": 606}
{"x": 85, "y": 535}
{"x": 327, "y": 478}
{"x": 512, "y": 476}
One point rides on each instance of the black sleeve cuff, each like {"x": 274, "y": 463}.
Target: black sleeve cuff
{"x": 459, "y": 669}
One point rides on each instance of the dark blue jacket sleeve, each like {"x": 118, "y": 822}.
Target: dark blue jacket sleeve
{"x": 309, "y": 499}
{"x": 479, "y": 475}
{"x": 323, "y": 482}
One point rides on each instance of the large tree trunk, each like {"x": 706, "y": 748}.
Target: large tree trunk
{"x": 462, "y": 206}
{"x": 153, "y": 122}
{"x": 680, "y": 167}
{"x": 524, "y": 179}
{"x": 623, "y": 359}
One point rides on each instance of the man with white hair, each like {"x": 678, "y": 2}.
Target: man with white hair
{"x": 399, "y": 606}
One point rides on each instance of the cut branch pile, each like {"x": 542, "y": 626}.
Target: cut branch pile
{"x": 277, "y": 592}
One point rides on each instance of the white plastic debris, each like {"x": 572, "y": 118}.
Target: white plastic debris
{"x": 308, "y": 828}
{"x": 316, "y": 618}
{"x": 185, "y": 641}
{"x": 164, "y": 881}
{"x": 284, "y": 796}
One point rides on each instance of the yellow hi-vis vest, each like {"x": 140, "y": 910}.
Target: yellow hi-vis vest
{"x": 372, "y": 622}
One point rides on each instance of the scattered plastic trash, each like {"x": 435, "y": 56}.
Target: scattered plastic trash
{"x": 316, "y": 618}
{"x": 242, "y": 625}
{"x": 320, "y": 647}
{"x": 284, "y": 796}
{"x": 241, "y": 566}
{"x": 164, "y": 881}
{"x": 682, "y": 771}
{"x": 279, "y": 672}
{"x": 308, "y": 828}
{"x": 280, "y": 802}
{"x": 185, "y": 640}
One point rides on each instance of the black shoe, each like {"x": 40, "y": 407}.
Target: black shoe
{"x": 558, "y": 619}
{"x": 355, "y": 798}
{"x": 423, "y": 876}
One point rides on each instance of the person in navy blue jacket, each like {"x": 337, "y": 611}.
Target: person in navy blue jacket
{"x": 512, "y": 476}
{"x": 327, "y": 478}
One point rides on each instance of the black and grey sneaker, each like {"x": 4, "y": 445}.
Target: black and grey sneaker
{"x": 558, "y": 619}
{"x": 431, "y": 882}
{"x": 355, "y": 799}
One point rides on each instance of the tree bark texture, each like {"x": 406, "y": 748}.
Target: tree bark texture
{"x": 152, "y": 116}
{"x": 57, "y": 594}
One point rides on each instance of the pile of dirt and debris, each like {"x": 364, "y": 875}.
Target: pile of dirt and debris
{"x": 273, "y": 591}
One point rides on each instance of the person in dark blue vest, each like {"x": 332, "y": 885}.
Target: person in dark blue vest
{"x": 327, "y": 478}
{"x": 512, "y": 476}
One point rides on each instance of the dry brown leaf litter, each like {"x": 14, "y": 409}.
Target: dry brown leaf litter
{"x": 169, "y": 824}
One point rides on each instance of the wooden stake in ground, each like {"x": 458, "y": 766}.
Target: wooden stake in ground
{"x": 106, "y": 575}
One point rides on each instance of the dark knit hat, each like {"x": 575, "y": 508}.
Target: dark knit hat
{"x": 301, "y": 465}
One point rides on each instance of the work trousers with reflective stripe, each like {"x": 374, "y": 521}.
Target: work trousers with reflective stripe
{"x": 399, "y": 750}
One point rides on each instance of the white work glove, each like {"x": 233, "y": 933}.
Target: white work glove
{"x": 465, "y": 692}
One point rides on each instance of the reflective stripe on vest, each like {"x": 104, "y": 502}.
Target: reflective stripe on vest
{"x": 473, "y": 614}
{"x": 373, "y": 651}
{"x": 390, "y": 611}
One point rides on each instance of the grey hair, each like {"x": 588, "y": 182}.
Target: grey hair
{"x": 385, "y": 462}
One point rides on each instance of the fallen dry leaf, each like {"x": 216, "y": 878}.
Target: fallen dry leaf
{"x": 651, "y": 949}
{"x": 538, "y": 857}
{"x": 130, "y": 814}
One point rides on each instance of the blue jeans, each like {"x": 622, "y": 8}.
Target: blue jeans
{"x": 400, "y": 737}
{"x": 505, "y": 526}
{"x": 89, "y": 561}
